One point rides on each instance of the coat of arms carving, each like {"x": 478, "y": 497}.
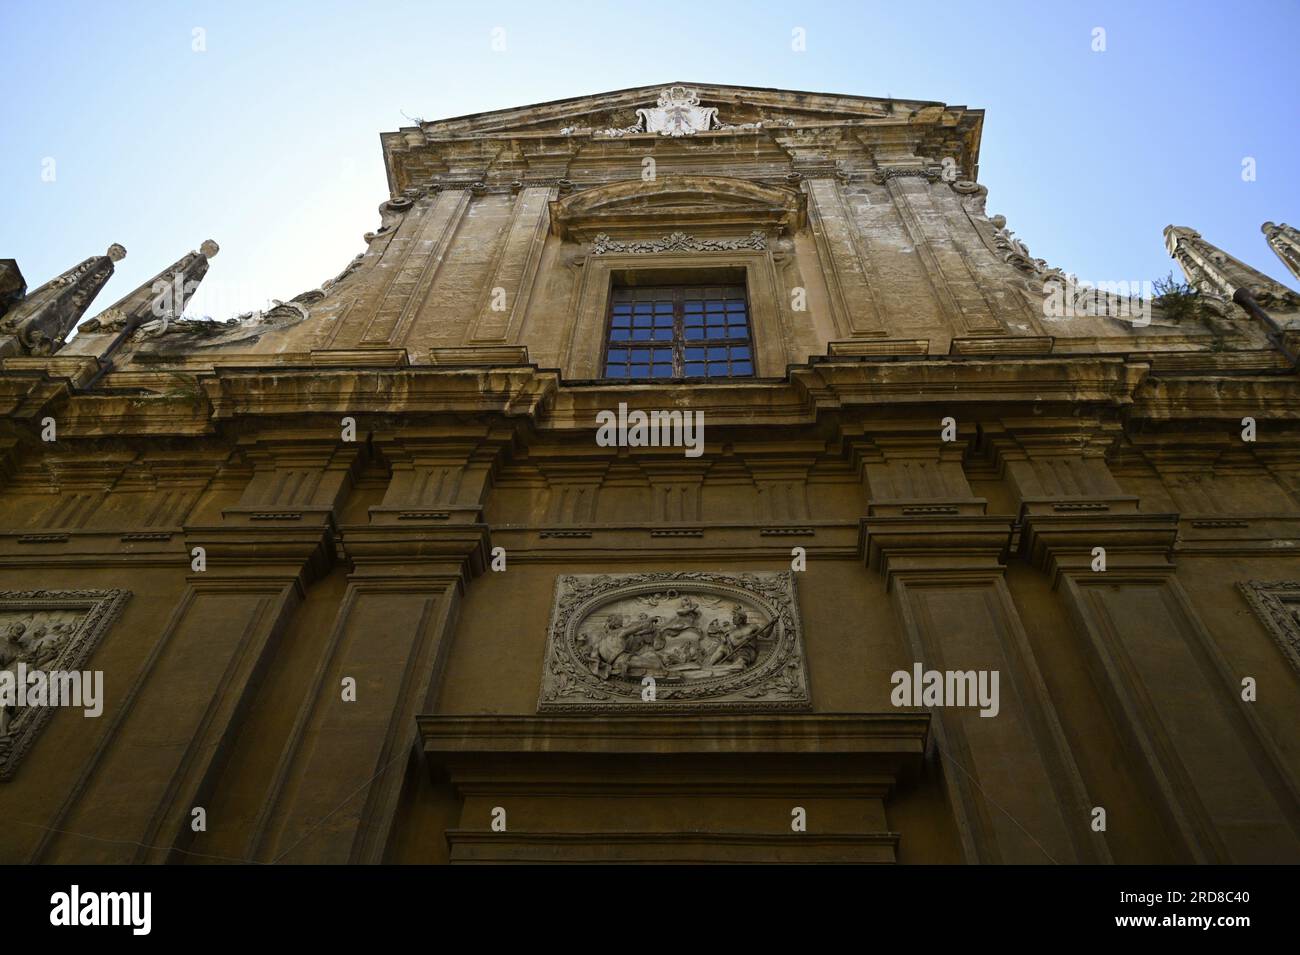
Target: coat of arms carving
{"x": 675, "y": 640}
{"x": 679, "y": 113}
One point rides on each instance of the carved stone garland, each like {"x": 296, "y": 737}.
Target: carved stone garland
{"x": 679, "y": 242}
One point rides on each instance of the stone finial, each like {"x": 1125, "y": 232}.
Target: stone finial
{"x": 1215, "y": 273}
{"x": 40, "y": 323}
{"x": 1285, "y": 241}
{"x": 160, "y": 299}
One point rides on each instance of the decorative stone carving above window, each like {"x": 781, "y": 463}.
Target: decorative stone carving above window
{"x": 1277, "y": 604}
{"x": 694, "y": 205}
{"x": 47, "y": 630}
{"x": 679, "y": 242}
{"x": 702, "y": 640}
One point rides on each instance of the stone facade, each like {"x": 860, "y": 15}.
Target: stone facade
{"x": 341, "y": 561}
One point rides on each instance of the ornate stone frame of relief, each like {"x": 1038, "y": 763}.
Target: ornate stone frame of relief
{"x": 711, "y": 641}
{"x": 75, "y": 621}
{"x": 1277, "y": 603}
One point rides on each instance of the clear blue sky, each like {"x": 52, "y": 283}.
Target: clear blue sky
{"x": 268, "y": 140}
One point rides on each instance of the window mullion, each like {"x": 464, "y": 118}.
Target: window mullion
{"x": 679, "y": 333}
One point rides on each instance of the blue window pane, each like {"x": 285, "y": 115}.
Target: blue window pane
{"x": 672, "y": 319}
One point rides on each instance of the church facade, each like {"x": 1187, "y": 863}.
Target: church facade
{"x": 685, "y": 473}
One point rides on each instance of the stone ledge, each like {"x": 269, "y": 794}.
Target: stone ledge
{"x": 900, "y": 734}
{"x": 480, "y": 355}
{"x": 476, "y": 846}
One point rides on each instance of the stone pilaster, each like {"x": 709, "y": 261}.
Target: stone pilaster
{"x": 955, "y": 284}
{"x": 501, "y": 313}
{"x": 349, "y": 760}
{"x": 942, "y": 560}
{"x": 202, "y": 675}
{"x": 853, "y": 303}
{"x": 1212, "y": 770}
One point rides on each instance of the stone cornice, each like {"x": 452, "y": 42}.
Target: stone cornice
{"x": 814, "y": 735}
{"x": 962, "y": 386}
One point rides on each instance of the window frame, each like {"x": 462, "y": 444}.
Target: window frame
{"x": 680, "y": 341}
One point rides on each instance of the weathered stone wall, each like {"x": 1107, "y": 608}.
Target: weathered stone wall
{"x": 349, "y": 470}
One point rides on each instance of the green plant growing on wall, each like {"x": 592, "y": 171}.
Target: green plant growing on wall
{"x": 1178, "y": 300}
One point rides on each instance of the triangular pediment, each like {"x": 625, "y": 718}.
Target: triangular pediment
{"x": 548, "y": 141}
{"x": 736, "y": 106}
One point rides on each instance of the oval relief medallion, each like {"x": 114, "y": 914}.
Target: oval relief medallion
{"x": 674, "y": 639}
